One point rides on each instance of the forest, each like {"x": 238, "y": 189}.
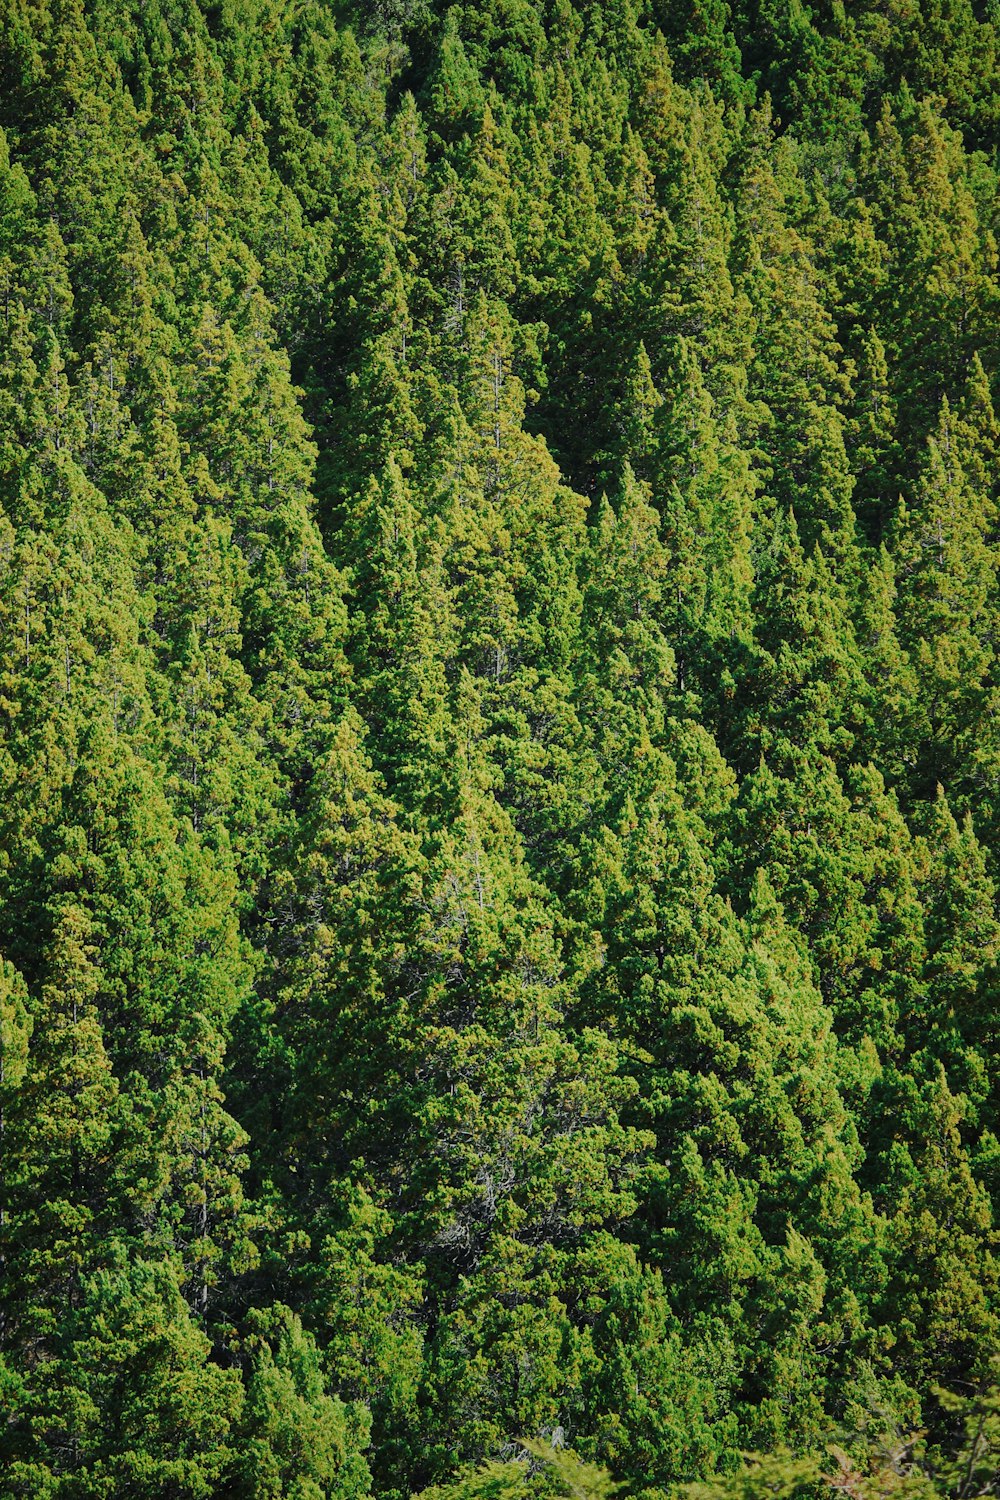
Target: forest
{"x": 499, "y": 749}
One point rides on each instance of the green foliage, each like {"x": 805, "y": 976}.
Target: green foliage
{"x": 543, "y": 1470}
{"x": 499, "y": 768}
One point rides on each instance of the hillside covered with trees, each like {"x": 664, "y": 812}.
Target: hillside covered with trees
{"x": 499, "y": 748}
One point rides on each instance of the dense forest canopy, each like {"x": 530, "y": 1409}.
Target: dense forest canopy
{"x": 499, "y": 749}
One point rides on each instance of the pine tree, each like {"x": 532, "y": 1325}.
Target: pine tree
{"x": 63, "y": 1175}
{"x": 942, "y": 544}
{"x": 130, "y": 1402}
{"x": 299, "y": 1439}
